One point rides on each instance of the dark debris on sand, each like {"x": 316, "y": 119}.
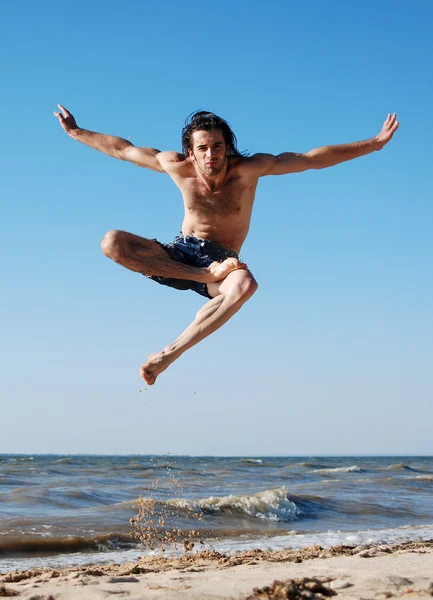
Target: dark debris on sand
{"x": 294, "y": 589}
{"x": 7, "y": 592}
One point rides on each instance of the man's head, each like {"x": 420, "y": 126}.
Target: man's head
{"x": 208, "y": 139}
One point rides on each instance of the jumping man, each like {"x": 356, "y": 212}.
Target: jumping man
{"x": 218, "y": 185}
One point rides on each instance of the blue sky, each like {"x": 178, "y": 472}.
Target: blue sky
{"x": 333, "y": 355}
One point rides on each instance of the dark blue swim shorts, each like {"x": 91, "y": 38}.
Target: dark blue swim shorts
{"x": 195, "y": 252}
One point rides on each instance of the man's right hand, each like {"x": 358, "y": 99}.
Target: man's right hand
{"x": 109, "y": 144}
{"x": 220, "y": 270}
{"x": 66, "y": 119}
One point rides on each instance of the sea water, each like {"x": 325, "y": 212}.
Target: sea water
{"x": 72, "y": 510}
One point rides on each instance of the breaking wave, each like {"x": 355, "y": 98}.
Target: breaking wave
{"x": 400, "y": 467}
{"x": 270, "y": 505}
{"x": 312, "y": 465}
{"x": 352, "y": 469}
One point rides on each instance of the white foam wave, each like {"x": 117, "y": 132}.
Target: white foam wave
{"x": 270, "y": 505}
{"x": 327, "y": 539}
{"x": 352, "y": 469}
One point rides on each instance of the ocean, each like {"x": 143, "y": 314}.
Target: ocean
{"x": 58, "y": 511}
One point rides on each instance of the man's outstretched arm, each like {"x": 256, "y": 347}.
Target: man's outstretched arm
{"x": 109, "y": 144}
{"x": 328, "y": 156}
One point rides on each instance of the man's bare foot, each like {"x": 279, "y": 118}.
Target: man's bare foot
{"x": 156, "y": 364}
{"x": 220, "y": 270}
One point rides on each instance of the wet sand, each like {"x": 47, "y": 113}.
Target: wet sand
{"x": 375, "y": 572}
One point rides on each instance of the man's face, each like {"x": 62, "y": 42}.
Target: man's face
{"x": 209, "y": 151}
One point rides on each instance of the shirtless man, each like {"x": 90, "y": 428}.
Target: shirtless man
{"x": 218, "y": 186}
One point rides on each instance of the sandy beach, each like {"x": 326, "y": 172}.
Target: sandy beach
{"x": 374, "y": 572}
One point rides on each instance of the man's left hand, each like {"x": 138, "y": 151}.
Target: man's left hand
{"x": 389, "y": 128}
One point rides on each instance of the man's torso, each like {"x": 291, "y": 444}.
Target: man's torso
{"x": 219, "y": 213}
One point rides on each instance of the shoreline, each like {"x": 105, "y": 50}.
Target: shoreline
{"x": 374, "y": 571}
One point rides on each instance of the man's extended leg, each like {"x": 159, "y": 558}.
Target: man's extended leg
{"x": 230, "y": 295}
{"x": 149, "y": 258}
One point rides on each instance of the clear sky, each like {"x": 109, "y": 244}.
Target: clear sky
{"x": 334, "y": 353}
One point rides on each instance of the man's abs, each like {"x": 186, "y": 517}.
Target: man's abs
{"x": 229, "y": 231}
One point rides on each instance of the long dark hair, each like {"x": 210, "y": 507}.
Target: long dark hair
{"x": 206, "y": 121}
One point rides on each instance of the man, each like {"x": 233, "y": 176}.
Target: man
{"x": 218, "y": 186}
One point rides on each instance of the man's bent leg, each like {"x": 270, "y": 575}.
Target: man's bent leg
{"x": 149, "y": 258}
{"x": 233, "y": 292}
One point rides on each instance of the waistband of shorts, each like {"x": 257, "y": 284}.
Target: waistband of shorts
{"x": 191, "y": 239}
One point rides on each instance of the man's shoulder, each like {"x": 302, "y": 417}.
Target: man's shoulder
{"x": 253, "y": 164}
{"x": 169, "y": 156}
{"x": 175, "y": 163}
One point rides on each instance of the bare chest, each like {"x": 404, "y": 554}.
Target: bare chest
{"x": 227, "y": 200}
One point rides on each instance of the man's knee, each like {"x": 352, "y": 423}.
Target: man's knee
{"x": 244, "y": 287}
{"x": 112, "y": 244}
{"x": 249, "y": 286}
